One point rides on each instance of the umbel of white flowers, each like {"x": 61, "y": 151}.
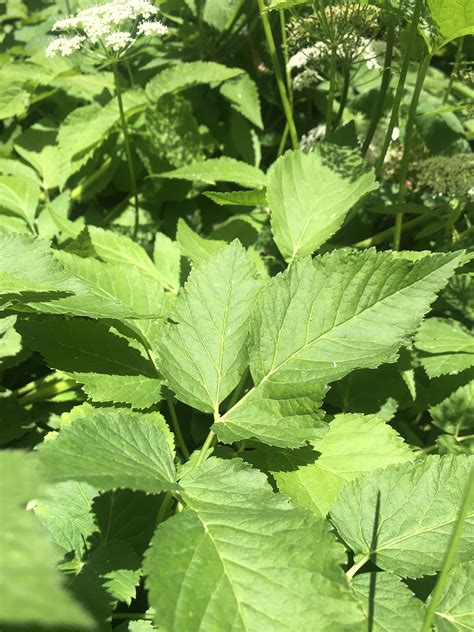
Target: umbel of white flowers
{"x": 112, "y": 27}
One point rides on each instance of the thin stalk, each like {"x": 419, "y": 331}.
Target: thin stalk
{"x": 353, "y": 569}
{"x": 34, "y": 385}
{"x": 344, "y": 92}
{"x": 420, "y": 78}
{"x": 278, "y": 74}
{"x": 68, "y": 7}
{"x": 47, "y": 392}
{"x": 377, "y": 110}
{"x": 78, "y": 191}
{"x": 177, "y": 429}
{"x": 131, "y": 615}
{"x": 284, "y": 136}
{"x": 208, "y": 443}
{"x": 128, "y": 150}
{"x": 387, "y": 234}
{"x": 164, "y": 508}
{"x": 332, "y": 89}
{"x": 454, "y": 72}
{"x": 401, "y": 83}
{"x": 450, "y": 554}
{"x": 286, "y": 57}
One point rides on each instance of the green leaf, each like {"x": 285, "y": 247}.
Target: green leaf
{"x": 241, "y": 558}
{"x": 196, "y": 248}
{"x": 447, "y": 347}
{"x": 112, "y": 448}
{"x": 402, "y": 517}
{"x": 123, "y": 514}
{"x": 66, "y": 514}
{"x": 310, "y": 195}
{"x": 223, "y": 169}
{"x": 28, "y": 557}
{"x": 167, "y": 259}
{"x": 115, "y": 291}
{"x": 185, "y": 75}
{"x": 238, "y": 198}
{"x": 242, "y": 93}
{"x": 87, "y": 126}
{"x": 21, "y": 196}
{"x": 317, "y": 322}
{"x": 388, "y": 603}
{"x": 220, "y": 14}
{"x": 91, "y": 353}
{"x": 202, "y": 353}
{"x": 455, "y": 412}
{"x": 354, "y": 444}
{"x": 107, "y": 575}
{"x": 455, "y": 610}
{"x": 30, "y": 272}
{"x": 453, "y": 18}
{"x": 14, "y": 98}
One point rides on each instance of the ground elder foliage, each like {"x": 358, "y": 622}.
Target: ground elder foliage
{"x": 236, "y": 315}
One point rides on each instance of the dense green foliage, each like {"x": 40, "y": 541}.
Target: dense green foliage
{"x": 236, "y": 311}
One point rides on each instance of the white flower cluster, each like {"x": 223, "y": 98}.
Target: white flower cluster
{"x": 114, "y": 25}
{"x": 305, "y": 55}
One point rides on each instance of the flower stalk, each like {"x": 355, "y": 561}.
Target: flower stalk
{"x": 128, "y": 149}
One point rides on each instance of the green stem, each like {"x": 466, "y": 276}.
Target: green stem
{"x": 78, "y": 191}
{"x": 388, "y": 233}
{"x": 48, "y": 391}
{"x": 344, "y": 93}
{"x": 450, "y": 554}
{"x": 330, "y": 99}
{"x": 208, "y": 443}
{"x": 353, "y": 569}
{"x": 177, "y": 429}
{"x": 401, "y": 83}
{"x": 131, "y": 615}
{"x": 278, "y": 74}
{"x": 284, "y": 136}
{"x": 377, "y": 111}
{"x": 128, "y": 150}
{"x": 286, "y": 57}
{"x": 420, "y": 78}
{"x": 164, "y": 508}
{"x": 454, "y": 72}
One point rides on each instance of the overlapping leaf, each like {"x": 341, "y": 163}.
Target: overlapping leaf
{"x": 447, "y": 346}
{"x": 112, "y": 448}
{"x": 28, "y": 557}
{"x": 317, "y": 322}
{"x": 388, "y": 603}
{"x": 241, "y": 558}
{"x": 354, "y": 444}
{"x": 455, "y": 610}
{"x": 402, "y": 517}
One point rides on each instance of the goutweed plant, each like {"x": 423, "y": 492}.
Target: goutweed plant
{"x": 235, "y": 403}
